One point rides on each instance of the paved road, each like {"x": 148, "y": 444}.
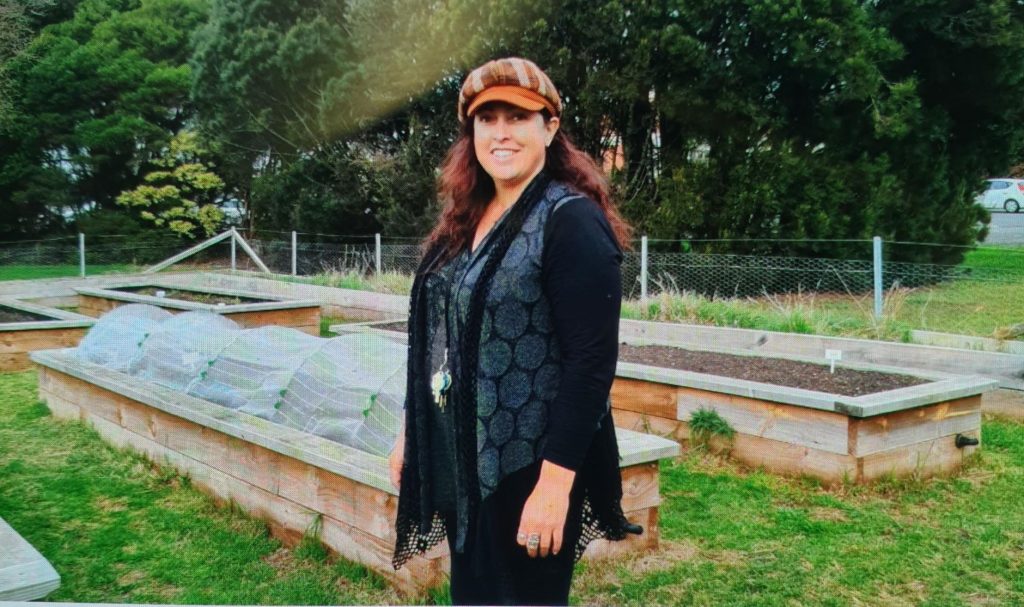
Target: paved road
{"x": 1006, "y": 228}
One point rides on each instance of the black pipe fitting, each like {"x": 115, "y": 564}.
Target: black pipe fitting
{"x": 966, "y": 441}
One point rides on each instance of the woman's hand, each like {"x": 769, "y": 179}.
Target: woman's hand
{"x": 545, "y": 511}
{"x": 396, "y": 459}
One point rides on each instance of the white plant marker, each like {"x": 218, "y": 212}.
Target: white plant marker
{"x": 161, "y": 293}
{"x": 833, "y": 356}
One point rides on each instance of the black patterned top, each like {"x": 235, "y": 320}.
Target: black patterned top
{"x": 440, "y": 285}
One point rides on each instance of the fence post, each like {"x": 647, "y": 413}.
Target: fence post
{"x": 234, "y": 233}
{"x": 877, "y": 256}
{"x": 295, "y": 253}
{"x": 376, "y": 239}
{"x": 643, "y": 274}
{"x": 81, "y": 254}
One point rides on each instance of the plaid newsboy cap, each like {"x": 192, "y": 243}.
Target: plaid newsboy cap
{"x": 512, "y": 80}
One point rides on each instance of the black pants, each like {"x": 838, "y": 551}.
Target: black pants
{"x": 495, "y": 569}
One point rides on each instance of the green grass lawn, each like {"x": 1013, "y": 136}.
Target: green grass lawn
{"x": 30, "y": 272}
{"x": 119, "y": 529}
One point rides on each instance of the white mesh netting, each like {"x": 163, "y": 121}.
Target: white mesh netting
{"x": 348, "y": 389}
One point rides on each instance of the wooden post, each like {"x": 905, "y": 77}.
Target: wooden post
{"x": 248, "y": 250}
{"x": 81, "y": 255}
{"x": 199, "y": 247}
{"x": 643, "y": 276}
{"x": 877, "y": 255}
{"x": 377, "y": 251}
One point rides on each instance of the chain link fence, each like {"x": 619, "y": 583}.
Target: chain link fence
{"x": 989, "y": 281}
{"x": 307, "y": 254}
{"x": 707, "y": 274}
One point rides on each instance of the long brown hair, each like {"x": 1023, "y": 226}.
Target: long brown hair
{"x": 465, "y": 189}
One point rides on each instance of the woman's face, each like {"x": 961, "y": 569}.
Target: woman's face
{"x": 511, "y": 142}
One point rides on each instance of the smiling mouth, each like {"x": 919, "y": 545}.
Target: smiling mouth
{"x": 502, "y": 153}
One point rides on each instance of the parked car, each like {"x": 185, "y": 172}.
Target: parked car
{"x": 1003, "y": 195}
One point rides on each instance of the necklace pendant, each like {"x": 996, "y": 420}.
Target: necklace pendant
{"x": 439, "y": 384}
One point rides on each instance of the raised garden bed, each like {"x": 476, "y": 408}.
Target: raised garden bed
{"x": 918, "y": 430}
{"x": 25, "y": 575}
{"x": 246, "y": 308}
{"x": 25, "y": 327}
{"x": 1007, "y": 368}
{"x": 9, "y": 314}
{"x": 771, "y": 370}
{"x": 194, "y": 296}
{"x": 347, "y": 303}
{"x": 794, "y": 416}
{"x": 290, "y": 478}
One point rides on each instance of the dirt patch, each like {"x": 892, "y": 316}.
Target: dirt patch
{"x": 669, "y": 554}
{"x": 281, "y": 560}
{"x": 764, "y": 369}
{"x": 781, "y": 372}
{"x": 602, "y": 579}
{"x": 131, "y": 578}
{"x": 400, "y": 326}
{"x": 107, "y": 504}
{"x": 831, "y": 515}
{"x": 14, "y": 315}
{"x": 194, "y": 296}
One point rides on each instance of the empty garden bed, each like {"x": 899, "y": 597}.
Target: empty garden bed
{"x": 793, "y": 416}
{"x": 246, "y": 308}
{"x": 25, "y": 327}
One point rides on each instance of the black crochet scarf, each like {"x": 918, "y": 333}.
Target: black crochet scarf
{"x": 418, "y": 526}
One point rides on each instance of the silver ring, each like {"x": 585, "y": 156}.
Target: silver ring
{"x": 521, "y": 537}
{"x": 534, "y": 541}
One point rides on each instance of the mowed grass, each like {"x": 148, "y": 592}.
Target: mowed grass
{"x": 736, "y": 537}
{"x": 119, "y": 529}
{"x": 31, "y": 272}
{"x": 385, "y": 282}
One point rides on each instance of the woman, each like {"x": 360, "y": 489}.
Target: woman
{"x": 508, "y": 448}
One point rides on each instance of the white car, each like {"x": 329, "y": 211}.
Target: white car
{"x": 1003, "y": 195}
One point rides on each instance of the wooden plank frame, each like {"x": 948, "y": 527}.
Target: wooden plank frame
{"x": 290, "y": 478}
{"x": 303, "y": 315}
{"x": 63, "y": 330}
{"x": 912, "y": 437}
{"x": 25, "y": 574}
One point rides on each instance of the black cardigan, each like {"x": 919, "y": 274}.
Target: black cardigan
{"x": 584, "y": 442}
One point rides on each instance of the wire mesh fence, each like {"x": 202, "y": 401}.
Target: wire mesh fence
{"x": 55, "y": 251}
{"x": 709, "y": 274}
{"x": 983, "y": 278}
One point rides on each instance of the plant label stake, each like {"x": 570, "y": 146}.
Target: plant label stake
{"x": 833, "y": 356}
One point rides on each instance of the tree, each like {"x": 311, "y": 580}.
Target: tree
{"x": 98, "y": 96}
{"x": 182, "y": 193}
{"x": 965, "y": 65}
{"x": 782, "y": 128}
{"x": 13, "y": 36}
